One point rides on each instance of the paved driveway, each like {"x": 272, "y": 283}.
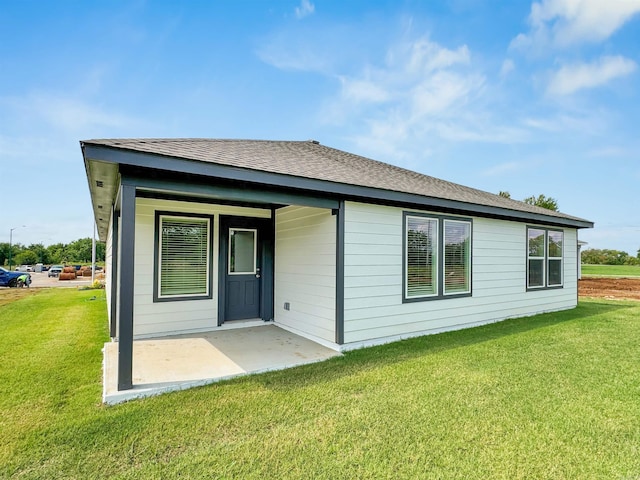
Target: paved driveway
{"x": 43, "y": 280}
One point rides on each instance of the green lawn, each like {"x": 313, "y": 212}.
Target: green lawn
{"x": 552, "y": 396}
{"x": 611, "y": 270}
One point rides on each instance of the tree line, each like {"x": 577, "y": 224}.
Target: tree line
{"x": 76, "y": 252}
{"x": 594, "y": 256}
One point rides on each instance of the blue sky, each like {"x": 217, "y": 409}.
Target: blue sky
{"x": 528, "y": 97}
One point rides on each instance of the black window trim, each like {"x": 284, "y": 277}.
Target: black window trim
{"x": 546, "y": 259}
{"x": 440, "y": 257}
{"x": 156, "y": 257}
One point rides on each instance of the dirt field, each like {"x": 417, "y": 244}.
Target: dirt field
{"x": 8, "y": 295}
{"x": 618, "y": 288}
{"x": 42, "y": 280}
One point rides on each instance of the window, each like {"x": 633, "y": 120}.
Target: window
{"x": 554, "y": 259}
{"x": 457, "y": 257}
{"x": 242, "y": 251}
{"x": 422, "y": 252}
{"x": 183, "y": 259}
{"x": 544, "y": 258}
{"x": 536, "y": 258}
{"x": 437, "y": 257}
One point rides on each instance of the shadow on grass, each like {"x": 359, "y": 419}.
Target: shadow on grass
{"x": 370, "y": 358}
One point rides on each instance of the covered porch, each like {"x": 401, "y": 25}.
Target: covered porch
{"x": 177, "y": 362}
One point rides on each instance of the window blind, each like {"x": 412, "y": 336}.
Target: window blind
{"x": 184, "y": 256}
{"x": 457, "y": 257}
{"x": 421, "y": 261}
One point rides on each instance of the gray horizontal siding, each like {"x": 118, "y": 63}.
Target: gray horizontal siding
{"x": 305, "y": 271}
{"x": 373, "y": 278}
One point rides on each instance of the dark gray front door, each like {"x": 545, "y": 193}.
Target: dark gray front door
{"x": 243, "y": 274}
{"x": 245, "y": 245}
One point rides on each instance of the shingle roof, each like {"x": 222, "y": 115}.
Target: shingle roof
{"x": 309, "y": 159}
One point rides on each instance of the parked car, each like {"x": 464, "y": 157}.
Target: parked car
{"x": 55, "y": 271}
{"x": 24, "y": 268}
{"x": 12, "y": 279}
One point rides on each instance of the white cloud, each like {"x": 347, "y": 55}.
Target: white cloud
{"x": 436, "y": 94}
{"x": 501, "y": 169}
{"x": 507, "y": 67}
{"x": 571, "y": 78}
{"x": 562, "y": 23}
{"x": 305, "y": 9}
{"x": 418, "y": 77}
{"x": 363, "y": 90}
{"x": 420, "y": 97}
{"x": 612, "y": 152}
{"x": 423, "y": 56}
{"x": 68, "y": 114}
{"x": 309, "y": 49}
{"x": 590, "y": 122}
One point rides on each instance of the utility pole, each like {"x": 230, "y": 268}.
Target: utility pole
{"x": 11, "y": 245}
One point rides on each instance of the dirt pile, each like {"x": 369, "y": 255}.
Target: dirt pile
{"x": 619, "y": 288}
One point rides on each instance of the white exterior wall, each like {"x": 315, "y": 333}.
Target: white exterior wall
{"x": 373, "y": 278}
{"x": 305, "y": 271}
{"x": 182, "y": 316}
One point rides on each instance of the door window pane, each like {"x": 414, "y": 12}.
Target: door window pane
{"x": 242, "y": 251}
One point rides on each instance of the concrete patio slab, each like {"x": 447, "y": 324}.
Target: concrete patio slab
{"x": 183, "y": 361}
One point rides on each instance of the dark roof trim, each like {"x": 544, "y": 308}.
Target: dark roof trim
{"x": 254, "y": 196}
{"x": 352, "y": 192}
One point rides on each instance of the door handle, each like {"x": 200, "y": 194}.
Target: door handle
{"x": 257, "y": 272}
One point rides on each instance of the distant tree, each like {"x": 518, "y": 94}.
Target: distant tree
{"x": 101, "y": 251}
{"x": 504, "y": 194}
{"x": 541, "y": 201}
{"x": 57, "y": 253}
{"x": 594, "y": 256}
{"x": 78, "y": 251}
{"x": 4, "y": 253}
{"x": 638, "y": 254}
{"x": 41, "y": 252}
{"x": 11, "y": 254}
{"x": 26, "y": 257}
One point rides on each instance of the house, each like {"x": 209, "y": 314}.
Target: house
{"x": 338, "y": 248}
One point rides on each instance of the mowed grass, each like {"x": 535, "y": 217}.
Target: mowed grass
{"x": 552, "y": 396}
{"x": 611, "y": 270}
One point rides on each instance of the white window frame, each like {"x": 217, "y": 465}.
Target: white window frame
{"x": 545, "y": 259}
{"x": 207, "y": 222}
{"x": 560, "y": 258}
{"x": 541, "y": 259}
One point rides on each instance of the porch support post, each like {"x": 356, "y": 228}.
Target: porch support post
{"x": 115, "y": 236}
{"x": 125, "y": 282}
{"x": 340, "y": 273}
